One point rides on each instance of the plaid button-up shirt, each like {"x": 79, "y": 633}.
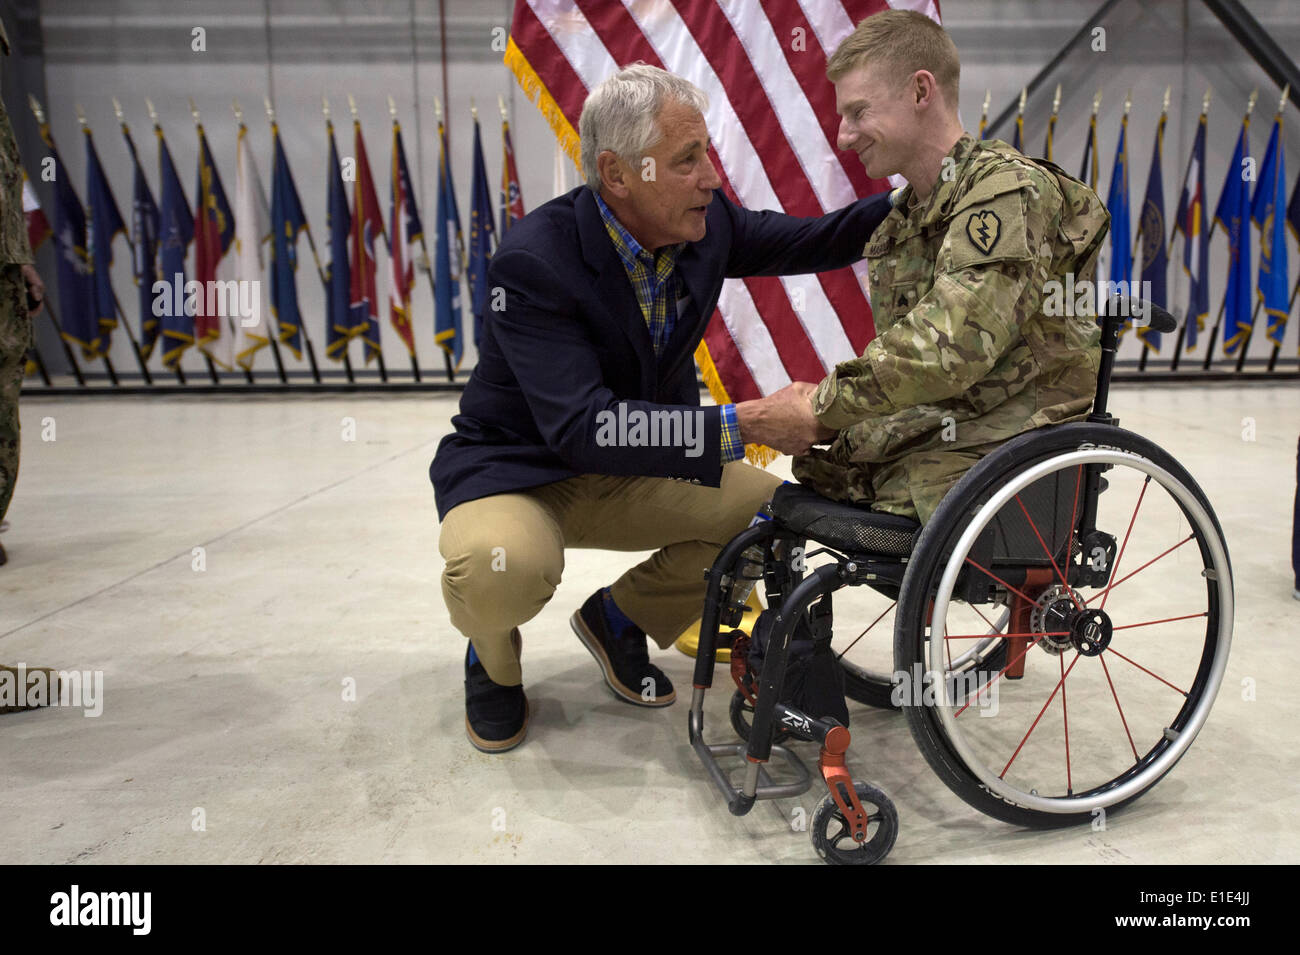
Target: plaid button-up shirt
{"x": 655, "y": 281}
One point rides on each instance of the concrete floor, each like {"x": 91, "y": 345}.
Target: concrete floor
{"x": 227, "y": 735}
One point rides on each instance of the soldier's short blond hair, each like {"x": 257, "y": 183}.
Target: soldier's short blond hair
{"x": 906, "y": 41}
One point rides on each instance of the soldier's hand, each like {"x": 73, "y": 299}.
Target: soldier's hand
{"x": 35, "y": 289}
{"x": 784, "y": 420}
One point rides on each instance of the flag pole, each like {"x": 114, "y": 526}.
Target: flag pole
{"x": 212, "y": 368}
{"x": 347, "y": 359}
{"x": 984, "y": 114}
{"x": 360, "y": 246}
{"x": 302, "y": 327}
{"x": 424, "y": 250}
{"x": 1277, "y": 211}
{"x": 415, "y": 362}
{"x": 34, "y": 356}
{"x": 1182, "y": 330}
{"x": 48, "y": 137}
{"x": 1051, "y": 124}
{"x": 239, "y": 118}
{"x": 1218, "y": 321}
{"x": 135, "y": 159}
{"x": 1137, "y": 238}
{"x": 117, "y": 304}
{"x": 153, "y": 117}
{"x": 1259, "y": 299}
{"x": 274, "y": 335}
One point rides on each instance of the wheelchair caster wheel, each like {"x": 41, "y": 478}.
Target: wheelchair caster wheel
{"x": 742, "y": 711}
{"x": 832, "y": 835}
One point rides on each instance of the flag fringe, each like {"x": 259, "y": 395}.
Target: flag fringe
{"x": 757, "y": 454}
{"x": 536, "y": 90}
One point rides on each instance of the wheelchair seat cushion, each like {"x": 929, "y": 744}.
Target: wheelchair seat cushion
{"x": 846, "y": 527}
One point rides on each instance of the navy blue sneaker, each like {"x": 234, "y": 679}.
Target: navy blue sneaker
{"x": 496, "y": 717}
{"x": 621, "y": 653}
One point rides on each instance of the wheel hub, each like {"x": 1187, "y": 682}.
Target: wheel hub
{"x": 1064, "y": 625}
{"x": 1090, "y": 632}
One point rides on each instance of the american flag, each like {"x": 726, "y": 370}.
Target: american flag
{"x": 772, "y": 119}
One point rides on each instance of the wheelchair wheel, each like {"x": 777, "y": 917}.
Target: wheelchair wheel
{"x": 1117, "y": 643}
{"x": 830, "y": 830}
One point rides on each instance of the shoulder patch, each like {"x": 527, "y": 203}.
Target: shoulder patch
{"x": 984, "y": 229}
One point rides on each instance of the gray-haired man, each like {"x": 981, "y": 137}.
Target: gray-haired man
{"x": 581, "y": 425}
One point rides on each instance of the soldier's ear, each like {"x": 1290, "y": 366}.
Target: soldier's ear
{"x": 923, "y": 88}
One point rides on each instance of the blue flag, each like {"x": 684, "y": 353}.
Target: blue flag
{"x": 1232, "y": 214}
{"x": 481, "y": 227}
{"x": 144, "y": 240}
{"x": 175, "y": 232}
{"x": 338, "y": 313}
{"x": 287, "y": 220}
{"x": 1155, "y": 253}
{"x": 1293, "y": 209}
{"x": 76, "y": 289}
{"x": 1266, "y": 213}
{"x": 1193, "y": 224}
{"x": 447, "y": 269}
{"x": 1121, "y": 234}
{"x": 105, "y": 225}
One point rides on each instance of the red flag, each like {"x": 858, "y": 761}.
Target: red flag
{"x": 367, "y": 223}
{"x": 512, "y": 200}
{"x": 38, "y": 227}
{"x": 403, "y": 233}
{"x": 214, "y": 232}
{"x": 773, "y": 122}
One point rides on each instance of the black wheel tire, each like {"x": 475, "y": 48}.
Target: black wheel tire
{"x": 926, "y": 566}
{"x": 836, "y": 848}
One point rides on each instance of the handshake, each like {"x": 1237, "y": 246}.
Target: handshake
{"x": 784, "y": 420}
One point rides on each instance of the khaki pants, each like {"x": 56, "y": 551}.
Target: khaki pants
{"x": 505, "y": 553}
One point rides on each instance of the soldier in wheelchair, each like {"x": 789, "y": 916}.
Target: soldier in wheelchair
{"x": 1056, "y": 644}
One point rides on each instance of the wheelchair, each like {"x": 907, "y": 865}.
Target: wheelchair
{"x": 1061, "y": 629}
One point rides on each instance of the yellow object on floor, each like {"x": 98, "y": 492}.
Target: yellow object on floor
{"x": 689, "y": 642}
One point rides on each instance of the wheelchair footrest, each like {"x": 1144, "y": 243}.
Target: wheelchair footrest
{"x": 740, "y": 799}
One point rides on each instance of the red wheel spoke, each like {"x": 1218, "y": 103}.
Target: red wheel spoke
{"x": 864, "y": 632}
{"x": 981, "y": 636}
{"x": 1058, "y": 686}
{"x": 1106, "y": 669}
{"x": 1065, "y": 716}
{"x": 990, "y": 573}
{"x": 1148, "y": 623}
{"x": 992, "y": 628}
{"x": 1145, "y": 670}
{"x": 1115, "y": 569}
{"x": 1048, "y": 552}
{"x": 1010, "y": 663}
{"x": 1138, "y": 571}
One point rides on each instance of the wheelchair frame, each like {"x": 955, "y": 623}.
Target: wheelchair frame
{"x": 791, "y": 596}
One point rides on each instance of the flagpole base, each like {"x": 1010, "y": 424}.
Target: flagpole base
{"x": 689, "y": 642}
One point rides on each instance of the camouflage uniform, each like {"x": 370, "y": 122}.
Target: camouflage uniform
{"x": 964, "y": 356}
{"x": 15, "y": 323}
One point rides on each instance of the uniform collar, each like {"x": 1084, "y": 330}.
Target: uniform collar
{"x": 945, "y": 191}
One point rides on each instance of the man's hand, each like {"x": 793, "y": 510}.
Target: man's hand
{"x": 35, "y": 289}
{"x": 784, "y": 420}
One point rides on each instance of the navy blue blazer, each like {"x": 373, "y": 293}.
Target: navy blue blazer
{"x": 569, "y": 342}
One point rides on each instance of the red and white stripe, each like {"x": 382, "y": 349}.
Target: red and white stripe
{"x": 772, "y": 119}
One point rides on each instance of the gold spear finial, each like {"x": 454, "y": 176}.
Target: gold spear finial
{"x": 270, "y": 110}
{"x": 117, "y": 110}
{"x": 1205, "y": 101}
{"x": 1056, "y": 100}
{"x": 1165, "y": 108}
{"x": 153, "y": 113}
{"x": 325, "y": 107}
{"x": 239, "y": 113}
{"x": 352, "y": 105}
{"x": 1281, "y": 103}
{"x": 392, "y": 109}
{"x": 1250, "y": 106}
{"x": 194, "y": 111}
{"x": 1024, "y": 94}
{"x": 437, "y": 109}
{"x": 81, "y": 116}
{"x": 988, "y": 95}
{"x": 473, "y": 110}
{"x": 501, "y": 103}
{"x": 36, "y": 108}
{"x": 1128, "y": 102}
{"x": 1096, "y": 102}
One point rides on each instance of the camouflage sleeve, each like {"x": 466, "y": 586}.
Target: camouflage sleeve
{"x": 989, "y": 276}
